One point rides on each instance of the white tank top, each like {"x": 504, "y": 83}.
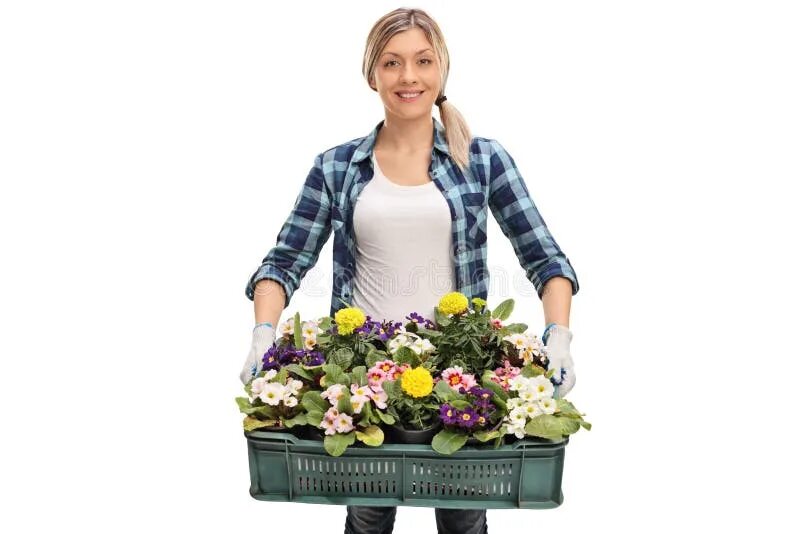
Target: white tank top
{"x": 403, "y": 248}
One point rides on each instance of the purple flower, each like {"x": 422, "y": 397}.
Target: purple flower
{"x": 467, "y": 418}
{"x": 448, "y": 414}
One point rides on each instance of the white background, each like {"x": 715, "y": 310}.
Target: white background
{"x": 149, "y": 152}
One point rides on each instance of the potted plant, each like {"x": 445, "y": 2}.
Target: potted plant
{"x": 412, "y": 403}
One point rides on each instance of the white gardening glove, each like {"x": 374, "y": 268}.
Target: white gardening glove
{"x": 558, "y": 340}
{"x": 263, "y": 338}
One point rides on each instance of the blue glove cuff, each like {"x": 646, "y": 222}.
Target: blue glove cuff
{"x": 546, "y": 332}
{"x": 267, "y": 323}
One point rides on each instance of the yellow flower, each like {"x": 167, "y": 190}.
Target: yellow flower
{"x": 453, "y": 302}
{"x": 478, "y": 301}
{"x": 348, "y": 319}
{"x": 417, "y": 382}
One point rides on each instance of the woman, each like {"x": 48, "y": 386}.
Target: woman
{"x": 409, "y": 201}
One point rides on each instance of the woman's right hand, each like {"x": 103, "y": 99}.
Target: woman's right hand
{"x": 263, "y": 338}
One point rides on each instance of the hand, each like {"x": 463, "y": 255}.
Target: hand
{"x": 558, "y": 340}
{"x": 263, "y": 338}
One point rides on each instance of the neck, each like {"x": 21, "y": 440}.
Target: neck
{"x": 405, "y": 135}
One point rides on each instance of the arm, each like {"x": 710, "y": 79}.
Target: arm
{"x": 302, "y": 236}
{"x": 519, "y": 219}
{"x": 556, "y": 301}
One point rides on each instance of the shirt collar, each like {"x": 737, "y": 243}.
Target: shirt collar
{"x": 364, "y": 149}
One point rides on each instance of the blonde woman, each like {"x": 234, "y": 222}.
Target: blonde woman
{"x": 408, "y": 208}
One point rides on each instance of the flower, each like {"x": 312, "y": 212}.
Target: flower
{"x": 348, "y": 319}
{"x": 272, "y": 393}
{"x": 287, "y": 327}
{"x": 497, "y": 324}
{"x": 479, "y": 301}
{"x": 453, "y": 302}
{"x": 334, "y": 393}
{"x": 417, "y": 382}
{"x": 456, "y": 378}
{"x": 448, "y": 414}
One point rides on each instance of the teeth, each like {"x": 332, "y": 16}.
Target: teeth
{"x": 409, "y": 95}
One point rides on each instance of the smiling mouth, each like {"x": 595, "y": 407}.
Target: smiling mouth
{"x": 409, "y": 96}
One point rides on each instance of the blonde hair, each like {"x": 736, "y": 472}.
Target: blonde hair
{"x": 456, "y": 130}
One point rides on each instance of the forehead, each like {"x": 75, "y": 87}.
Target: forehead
{"x": 407, "y": 43}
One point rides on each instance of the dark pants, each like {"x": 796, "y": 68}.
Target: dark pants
{"x": 380, "y": 520}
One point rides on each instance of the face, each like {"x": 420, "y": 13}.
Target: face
{"x": 408, "y": 65}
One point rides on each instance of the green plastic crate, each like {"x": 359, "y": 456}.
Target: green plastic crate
{"x": 525, "y": 474}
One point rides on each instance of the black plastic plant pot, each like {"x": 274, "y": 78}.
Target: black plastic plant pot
{"x": 413, "y": 436}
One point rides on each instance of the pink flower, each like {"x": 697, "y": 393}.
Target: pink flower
{"x": 456, "y": 378}
{"x": 376, "y": 376}
{"x": 503, "y": 375}
{"x": 497, "y": 324}
{"x": 378, "y": 396}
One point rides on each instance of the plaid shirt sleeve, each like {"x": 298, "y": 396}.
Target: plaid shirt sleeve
{"x": 300, "y": 239}
{"x": 520, "y": 221}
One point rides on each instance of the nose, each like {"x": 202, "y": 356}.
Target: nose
{"x": 409, "y": 74}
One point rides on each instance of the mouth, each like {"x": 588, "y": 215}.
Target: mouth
{"x": 409, "y": 96}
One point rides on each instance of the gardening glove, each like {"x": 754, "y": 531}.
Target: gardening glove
{"x": 557, "y": 343}
{"x": 263, "y": 338}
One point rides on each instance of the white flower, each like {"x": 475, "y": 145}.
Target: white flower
{"x": 527, "y": 395}
{"x": 334, "y": 393}
{"x": 517, "y": 340}
{"x": 310, "y": 342}
{"x": 311, "y": 329}
{"x": 287, "y": 327}
{"x": 513, "y": 402}
{"x": 532, "y": 409}
{"x": 343, "y": 423}
{"x": 518, "y": 416}
{"x": 290, "y": 402}
{"x": 269, "y": 375}
{"x": 294, "y": 386}
{"x": 272, "y": 393}
{"x": 547, "y": 405}
{"x": 422, "y": 345}
{"x": 517, "y": 383}
{"x": 256, "y": 387}
{"x": 543, "y": 387}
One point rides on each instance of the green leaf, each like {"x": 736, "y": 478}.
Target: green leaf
{"x": 565, "y": 407}
{"x": 314, "y": 418}
{"x": 503, "y": 310}
{"x": 335, "y": 375}
{"x": 342, "y": 357}
{"x": 483, "y": 435}
{"x": 299, "y": 419}
{"x": 585, "y": 424}
{"x": 299, "y": 371}
{"x": 544, "y": 426}
{"x": 374, "y": 356}
{"x": 443, "y": 391}
{"x": 367, "y": 416}
{"x": 313, "y": 402}
{"x": 244, "y": 404}
{"x": 372, "y": 436}
{"x": 251, "y": 423}
{"x": 344, "y": 405}
{"x": 516, "y": 328}
{"x": 386, "y": 418}
{"x": 440, "y": 318}
{"x": 428, "y": 333}
{"x": 460, "y": 404}
{"x": 488, "y": 383}
{"x": 448, "y": 441}
{"x": 568, "y": 425}
{"x": 298, "y": 332}
{"x": 392, "y": 389}
{"x": 529, "y": 371}
{"x": 324, "y": 323}
{"x": 359, "y": 374}
{"x": 405, "y": 355}
{"x": 337, "y": 443}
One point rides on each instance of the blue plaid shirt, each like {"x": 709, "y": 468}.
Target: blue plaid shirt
{"x": 325, "y": 204}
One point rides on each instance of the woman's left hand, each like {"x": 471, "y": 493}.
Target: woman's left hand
{"x": 558, "y": 340}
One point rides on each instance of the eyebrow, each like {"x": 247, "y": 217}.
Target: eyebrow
{"x": 398, "y": 55}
